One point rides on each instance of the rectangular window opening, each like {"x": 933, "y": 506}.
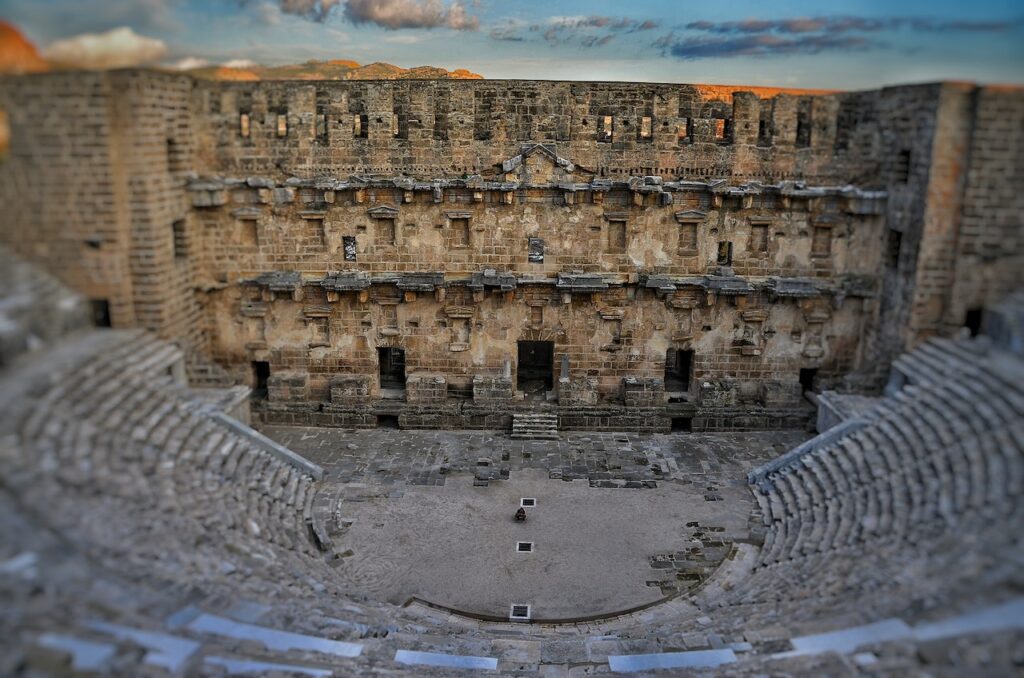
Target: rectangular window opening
{"x": 386, "y": 231}
{"x": 348, "y": 244}
{"x": 683, "y": 132}
{"x": 604, "y": 130}
{"x": 249, "y": 233}
{"x": 319, "y": 331}
{"x": 646, "y": 127}
{"x": 901, "y": 169}
{"x": 724, "y": 253}
{"x": 687, "y": 238}
{"x": 441, "y": 121}
{"x": 616, "y": 236}
{"x": 759, "y": 238}
{"x": 803, "y": 129}
{"x": 321, "y": 127}
{"x": 282, "y": 125}
{"x": 360, "y": 126}
{"x": 244, "y": 121}
{"x": 821, "y": 241}
{"x": 722, "y": 129}
{"x": 895, "y": 242}
{"x": 536, "y": 315}
{"x": 535, "y": 250}
{"x": 524, "y": 546}
{"x": 460, "y": 232}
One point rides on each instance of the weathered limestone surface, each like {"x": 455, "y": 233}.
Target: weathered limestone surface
{"x": 450, "y": 220}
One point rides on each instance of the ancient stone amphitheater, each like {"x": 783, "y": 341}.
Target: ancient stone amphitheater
{"x": 801, "y": 457}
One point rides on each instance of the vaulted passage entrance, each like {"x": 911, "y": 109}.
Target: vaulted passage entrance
{"x": 678, "y": 365}
{"x": 392, "y": 368}
{"x": 536, "y": 367}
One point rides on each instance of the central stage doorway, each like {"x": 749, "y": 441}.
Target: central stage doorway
{"x": 392, "y": 368}
{"x": 536, "y": 368}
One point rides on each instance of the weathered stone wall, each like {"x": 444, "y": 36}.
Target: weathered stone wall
{"x": 62, "y": 205}
{"x": 295, "y": 228}
{"x": 428, "y": 129}
{"x": 759, "y": 341}
{"x": 93, "y": 190}
{"x": 953, "y": 177}
{"x": 989, "y": 245}
{"x": 460, "y": 231}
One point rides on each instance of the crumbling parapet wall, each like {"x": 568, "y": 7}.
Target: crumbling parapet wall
{"x": 429, "y": 129}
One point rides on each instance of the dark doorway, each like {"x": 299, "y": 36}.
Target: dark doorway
{"x": 260, "y": 375}
{"x": 972, "y": 321}
{"x": 682, "y": 424}
{"x": 100, "y": 312}
{"x": 724, "y": 253}
{"x": 392, "y": 367}
{"x": 678, "y": 365}
{"x": 807, "y": 377}
{"x": 535, "y": 372}
{"x": 387, "y": 421}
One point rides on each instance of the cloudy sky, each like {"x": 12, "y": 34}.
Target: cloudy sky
{"x": 843, "y": 45}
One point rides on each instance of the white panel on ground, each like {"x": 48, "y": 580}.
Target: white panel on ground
{"x": 169, "y": 652}
{"x": 626, "y": 663}
{"x": 235, "y": 666}
{"x": 992, "y": 619}
{"x": 452, "y": 661}
{"x": 272, "y": 638}
{"x": 848, "y": 640}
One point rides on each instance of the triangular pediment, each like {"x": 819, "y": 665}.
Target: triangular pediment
{"x": 539, "y": 164}
{"x": 383, "y": 212}
{"x": 686, "y": 216}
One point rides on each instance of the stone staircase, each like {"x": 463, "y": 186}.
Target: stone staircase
{"x": 536, "y": 425}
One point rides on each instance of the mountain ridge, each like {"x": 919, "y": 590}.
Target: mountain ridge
{"x": 334, "y": 69}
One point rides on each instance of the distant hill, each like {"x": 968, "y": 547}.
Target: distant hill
{"x": 336, "y": 69}
{"x": 223, "y": 73}
{"x": 17, "y": 54}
